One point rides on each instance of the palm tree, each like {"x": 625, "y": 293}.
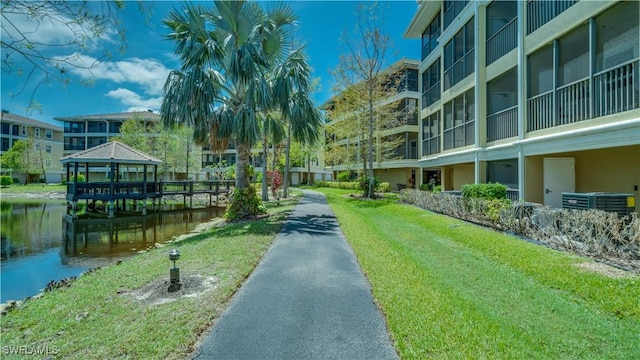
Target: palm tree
{"x": 229, "y": 56}
{"x": 303, "y": 121}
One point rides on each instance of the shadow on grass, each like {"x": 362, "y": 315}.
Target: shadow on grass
{"x": 269, "y": 225}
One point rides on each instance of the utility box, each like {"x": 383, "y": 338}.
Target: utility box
{"x": 623, "y": 204}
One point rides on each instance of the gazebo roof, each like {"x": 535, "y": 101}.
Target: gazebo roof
{"x": 111, "y": 152}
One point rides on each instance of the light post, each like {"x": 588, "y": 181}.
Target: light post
{"x": 174, "y": 274}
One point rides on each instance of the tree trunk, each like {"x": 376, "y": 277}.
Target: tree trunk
{"x": 371, "y": 192}
{"x": 265, "y": 189}
{"x": 242, "y": 165}
{"x": 309, "y": 169}
{"x": 285, "y": 185}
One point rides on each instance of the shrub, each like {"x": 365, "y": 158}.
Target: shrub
{"x": 5, "y": 180}
{"x": 437, "y": 189}
{"x": 594, "y": 233}
{"x": 488, "y": 191}
{"x": 424, "y": 187}
{"x": 244, "y": 203}
{"x": 363, "y": 181}
{"x": 344, "y": 176}
{"x": 81, "y": 178}
{"x": 384, "y": 187}
{"x": 16, "y": 180}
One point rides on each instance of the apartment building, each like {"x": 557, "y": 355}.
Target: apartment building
{"x": 400, "y": 168}
{"x": 542, "y": 96}
{"x": 47, "y": 145}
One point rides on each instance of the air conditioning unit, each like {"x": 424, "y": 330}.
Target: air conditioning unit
{"x": 623, "y": 204}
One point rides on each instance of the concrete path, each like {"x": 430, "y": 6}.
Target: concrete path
{"x": 307, "y": 299}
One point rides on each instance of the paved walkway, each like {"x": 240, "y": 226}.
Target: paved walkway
{"x": 307, "y": 299}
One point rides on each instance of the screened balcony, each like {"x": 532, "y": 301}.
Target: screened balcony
{"x": 540, "y": 12}
{"x": 502, "y": 106}
{"x": 502, "y": 29}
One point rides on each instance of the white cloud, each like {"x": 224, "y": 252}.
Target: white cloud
{"x": 46, "y": 27}
{"x": 135, "y": 101}
{"x": 150, "y": 74}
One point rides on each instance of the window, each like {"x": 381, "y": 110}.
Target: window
{"x": 74, "y": 143}
{"x": 617, "y": 36}
{"x": 431, "y": 84}
{"x": 23, "y": 130}
{"x": 96, "y": 126}
{"x": 430, "y": 36}
{"x": 47, "y": 148}
{"x": 6, "y": 129}
{"x": 73, "y": 127}
{"x": 36, "y": 132}
{"x": 114, "y": 127}
{"x": 540, "y": 72}
{"x": 458, "y": 56}
{"x": 574, "y": 56}
{"x": 6, "y": 145}
{"x": 95, "y": 141}
{"x": 15, "y": 130}
{"x": 431, "y": 134}
{"x": 451, "y": 9}
{"x": 48, "y": 134}
{"x": 459, "y": 121}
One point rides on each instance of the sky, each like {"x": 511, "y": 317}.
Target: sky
{"x": 133, "y": 80}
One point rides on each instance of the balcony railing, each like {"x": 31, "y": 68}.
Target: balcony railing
{"x": 540, "y": 111}
{"x": 616, "y": 90}
{"x": 513, "y": 194}
{"x": 573, "y": 102}
{"x": 540, "y": 12}
{"x": 503, "y": 124}
{"x": 502, "y": 41}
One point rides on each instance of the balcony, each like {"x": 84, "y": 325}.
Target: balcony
{"x": 462, "y": 68}
{"x": 616, "y": 90}
{"x": 503, "y": 124}
{"x": 431, "y": 146}
{"x": 430, "y": 96}
{"x": 503, "y": 41}
{"x": 540, "y": 12}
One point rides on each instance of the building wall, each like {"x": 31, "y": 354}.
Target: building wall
{"x": 37, "y": 131}
{"x": 591, "y": 123}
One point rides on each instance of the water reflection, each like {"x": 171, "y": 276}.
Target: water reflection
{"x": 40, "y": 242}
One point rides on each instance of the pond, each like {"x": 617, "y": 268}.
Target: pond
{"x": 40, "y": 242}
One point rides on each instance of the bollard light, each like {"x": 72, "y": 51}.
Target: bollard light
{"x": 174, "y": 274}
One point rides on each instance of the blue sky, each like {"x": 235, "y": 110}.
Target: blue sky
{"x": 133, "y": 80}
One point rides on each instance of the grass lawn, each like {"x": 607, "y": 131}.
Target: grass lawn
{"x": 453, "y": 290}
{"x": 32, "y": 189}
{"x": 98, "y": 317}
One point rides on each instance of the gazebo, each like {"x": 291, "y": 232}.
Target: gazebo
{"x": 112, "y": 154}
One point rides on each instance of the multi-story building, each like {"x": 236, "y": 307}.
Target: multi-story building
{"x": 86, "y": 131}
{"x": 540, "y": 95}
{"x": 401, "y": 168}
{"x": 47, "y": 140}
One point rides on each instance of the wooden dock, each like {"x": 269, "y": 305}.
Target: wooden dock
{"x": 117, "y": 193}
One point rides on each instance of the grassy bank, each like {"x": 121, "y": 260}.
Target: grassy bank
{"x": 453, "y": 290}
{"x": 125, "y": 311}
{"x": 32, "y": 189}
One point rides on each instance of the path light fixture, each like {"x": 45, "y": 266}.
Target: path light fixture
{"x": 174, "y": 274}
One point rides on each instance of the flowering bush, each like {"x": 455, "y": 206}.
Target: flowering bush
{"x": 275, "y": 178}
